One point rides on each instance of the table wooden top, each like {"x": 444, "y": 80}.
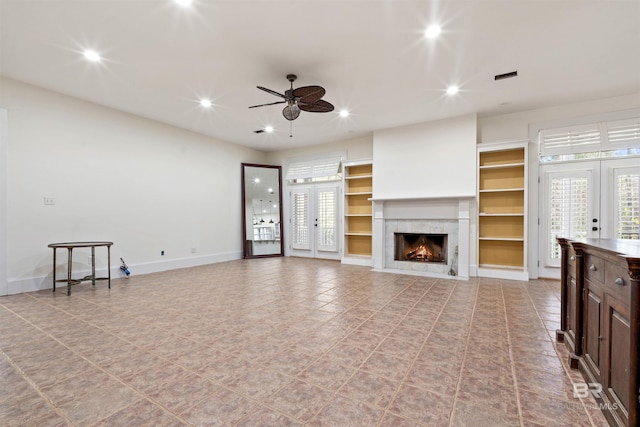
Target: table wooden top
{"x": 626, "y": 248}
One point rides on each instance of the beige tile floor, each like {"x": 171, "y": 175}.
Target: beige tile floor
{"x": 288, "y": 341}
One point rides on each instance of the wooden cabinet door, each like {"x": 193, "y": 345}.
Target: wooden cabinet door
{"x": 593, "y": 332}
{"x": 615, "y": 376}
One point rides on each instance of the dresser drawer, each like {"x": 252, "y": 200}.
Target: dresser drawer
{"x": 594, "y": 268}
{"x": 617, "y": 282}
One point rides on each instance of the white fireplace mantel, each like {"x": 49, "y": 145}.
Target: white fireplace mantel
{"x": 422, "y": 209}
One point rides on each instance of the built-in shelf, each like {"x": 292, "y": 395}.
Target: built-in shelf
{"x": 506, "y": 165}
{"x": 501, "y": 267}
{"x": 358, "y": 212}
{"x": 501, "y": 190}
{"x": 500, "y": 214}
{"x": 502, "y": 210}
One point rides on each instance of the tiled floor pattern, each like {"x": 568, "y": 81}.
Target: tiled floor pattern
{"x": 287, "y": 341}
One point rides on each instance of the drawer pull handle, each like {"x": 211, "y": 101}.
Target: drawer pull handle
{"x": 600, "y": 338}
{"x": 573, "y": 258}
{"x": 593, "y": 267}
{"x": 619, "y": 281}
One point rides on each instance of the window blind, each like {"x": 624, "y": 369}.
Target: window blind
{"x": 624, "y": 133}
{"x": 568, "y": 210}
{"x": 318, "y": 168}
{"x": 576, "y": 139}
{"x": 327, "y": 220}
{"x": 300, "y": 220}
{"x": 590, "y": 138}
{"x": 628, "y": 206}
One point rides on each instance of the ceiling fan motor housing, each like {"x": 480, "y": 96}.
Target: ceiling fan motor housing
{"x": 291, "y": 111}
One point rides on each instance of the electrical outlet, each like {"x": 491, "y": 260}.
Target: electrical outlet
{"x": 49, "y": 201}
{"x": 193, "y": 250}
{"x": 161, "y": 253}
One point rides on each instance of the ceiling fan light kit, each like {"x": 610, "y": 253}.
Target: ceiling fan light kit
{"x": 305, "y": 98}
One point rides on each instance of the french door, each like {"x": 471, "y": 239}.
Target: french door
{"x": 592, "y": 199}
{"x": 314, "y": 221}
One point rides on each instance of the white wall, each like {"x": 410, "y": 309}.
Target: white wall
{"x": 356, "y": 149}
{"x": 515, "y": 126}
{"x": 144, "y": 185}
{"x": 426, "y": 160}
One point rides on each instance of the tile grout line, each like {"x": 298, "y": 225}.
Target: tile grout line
{"x": 333, "y": 393}
{"x": 402, "y": 382}
{"x": 511, "y": 359}
{"x": 564, "y": 367}
{"x": 336, "y": 392}
{"x": 142, "y": 395}
{"x": 464, "y": 357}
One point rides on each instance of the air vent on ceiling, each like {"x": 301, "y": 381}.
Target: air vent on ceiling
{"x": 505, "y": 75}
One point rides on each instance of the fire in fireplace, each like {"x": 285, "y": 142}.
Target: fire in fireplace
{"x": 421, "y": 247}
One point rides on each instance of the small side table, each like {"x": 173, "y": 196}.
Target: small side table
{"x": 70, "y": 246}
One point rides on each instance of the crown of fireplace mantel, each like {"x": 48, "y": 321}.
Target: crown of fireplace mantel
{"x": 417, "y": 198}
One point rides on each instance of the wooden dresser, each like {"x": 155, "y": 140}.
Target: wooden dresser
{"x": 600, "y": 321}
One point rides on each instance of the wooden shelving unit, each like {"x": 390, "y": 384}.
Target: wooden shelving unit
{"x": 502, "y": 230}
{"x": 358, "y": 212}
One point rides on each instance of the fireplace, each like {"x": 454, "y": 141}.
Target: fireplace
{"x": 420, "y": 247}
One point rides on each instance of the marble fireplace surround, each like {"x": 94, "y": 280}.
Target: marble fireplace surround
{"x": 422, "y": 215}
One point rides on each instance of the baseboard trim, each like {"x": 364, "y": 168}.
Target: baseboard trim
{"x": 32, "y": 284}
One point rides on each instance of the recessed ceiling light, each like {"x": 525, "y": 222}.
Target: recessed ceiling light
{"x": 92, "y": 55}
{"x": 432, "y": 31}
{"x": 344, "y": 113}
{"x": 256, "y": 180}
{"x": 184, "y": 3}
{"x": 268, "y": 129}
{"x": 205, "y": 103}
{"x": 452, "y": 90}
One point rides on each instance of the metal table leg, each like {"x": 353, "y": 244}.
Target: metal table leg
{"x": 69, "y": 263}
{"x": 109, "y": 266}
{"x": 93, "y": 265}
{"x": 54, "y": 269}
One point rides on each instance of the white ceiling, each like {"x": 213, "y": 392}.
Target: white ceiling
{"x": 370, "y": 55}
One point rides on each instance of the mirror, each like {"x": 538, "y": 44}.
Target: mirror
{"x": 261, "y": 205}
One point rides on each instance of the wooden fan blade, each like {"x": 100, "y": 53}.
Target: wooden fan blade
{"x": 309, "y": 94}
{"x": 320, "y": 106}
{"x": 272, "y": 92}
{"x": 271, "y": 103}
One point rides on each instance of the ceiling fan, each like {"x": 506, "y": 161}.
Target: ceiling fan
{"x": 305, "y": 98}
